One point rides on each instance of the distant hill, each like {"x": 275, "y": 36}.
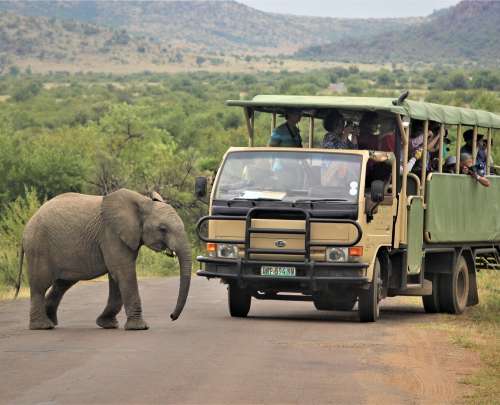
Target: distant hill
{"x": 208, "y": 25}
{"x": 469, "y": 31}
{"x": 64, "y": 41}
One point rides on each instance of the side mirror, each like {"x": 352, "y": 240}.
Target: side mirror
{"x": 377, "y": 191}
{"x": 200, "y": 187}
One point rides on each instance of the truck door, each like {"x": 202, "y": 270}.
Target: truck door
{"x": 414, "y": 229}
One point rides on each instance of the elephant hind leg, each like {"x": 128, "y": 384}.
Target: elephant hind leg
{"x": 107, "y": 319}
{"x": 40, "y": 280}
{"x": 38, "y": 314}
{"x": 54, "y": 297}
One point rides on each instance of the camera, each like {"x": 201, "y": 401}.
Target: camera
{"x": 475, "y": 170}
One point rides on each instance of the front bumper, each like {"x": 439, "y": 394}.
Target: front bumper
{"x": 311, "y": 276}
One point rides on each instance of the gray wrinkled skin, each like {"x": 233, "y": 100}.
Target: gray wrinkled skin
{"x": 77, "y": 237}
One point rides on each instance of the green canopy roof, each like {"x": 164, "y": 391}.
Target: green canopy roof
{"x": 413, "y": 109}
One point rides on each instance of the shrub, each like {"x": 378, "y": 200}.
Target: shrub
{"x": 12, "y": 222}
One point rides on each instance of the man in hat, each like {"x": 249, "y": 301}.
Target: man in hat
{"x": 450, "y": 164}
{"x": 288, "y": 133}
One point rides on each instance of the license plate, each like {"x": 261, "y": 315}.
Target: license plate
{"x": 277, "y": 271}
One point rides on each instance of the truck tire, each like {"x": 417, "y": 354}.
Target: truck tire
{"x": 454, "y": 288}
{"x": 324, "y": 301}
{"x": 239, "y": 301}
{"x": 368, "y": 306}
{"x": 431, "y": 302}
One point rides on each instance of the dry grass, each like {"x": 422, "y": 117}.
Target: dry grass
{"x": 230, "y": 64}
{"x": 479, "y": 330}
{"x": 7, "y": 293}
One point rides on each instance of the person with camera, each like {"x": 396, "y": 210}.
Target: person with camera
{"x": 467, "y": 167}
{"x": 480, "y": 151}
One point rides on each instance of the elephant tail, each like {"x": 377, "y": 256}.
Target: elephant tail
{"x": 20, "y": 275}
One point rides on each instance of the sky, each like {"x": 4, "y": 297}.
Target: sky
{"x": 352, "y": 8}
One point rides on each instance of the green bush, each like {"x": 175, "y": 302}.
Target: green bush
{"x": 12, "y": 222}
{"x": 151, "y": 263}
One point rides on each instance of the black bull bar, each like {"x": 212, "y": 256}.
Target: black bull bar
{"x": 270, "y": 213}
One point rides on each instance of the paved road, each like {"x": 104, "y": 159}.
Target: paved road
{"x": 284, "y": 352}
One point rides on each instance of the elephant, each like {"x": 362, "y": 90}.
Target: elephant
{"x": 75, "y": 237}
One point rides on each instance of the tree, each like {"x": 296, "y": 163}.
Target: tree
{"x": 200, "y": 60}
{"x": 14, "y": 70}
{"x": 385, "y": 78}
{"x": 26, "y": 91}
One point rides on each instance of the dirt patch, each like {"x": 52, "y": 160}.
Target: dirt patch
{"x": 431, "y": 369}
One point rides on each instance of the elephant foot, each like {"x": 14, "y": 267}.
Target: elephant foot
{"x": 52, "y": 315}
{"x": 41, "y": 324}
{"x": 107, "y": 323}
{"x": 136, "y": 324}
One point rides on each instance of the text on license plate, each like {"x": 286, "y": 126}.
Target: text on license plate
{"x": 277, "y": 271}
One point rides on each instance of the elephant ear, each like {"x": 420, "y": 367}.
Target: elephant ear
{"x": 121, "y": 212}
{"x": 155, "y": 196}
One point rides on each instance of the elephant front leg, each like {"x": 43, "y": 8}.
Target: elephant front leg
{"x": 107, "y": 319}
{"x": 127, "y": 283}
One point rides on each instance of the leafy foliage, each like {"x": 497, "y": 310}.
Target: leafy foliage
{"x": 14, "y": 216}
{"x": 96, "y": 133}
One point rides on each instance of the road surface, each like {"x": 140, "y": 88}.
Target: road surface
{"x": 284, "y": 352}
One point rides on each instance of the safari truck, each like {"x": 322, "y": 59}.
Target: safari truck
{"x": 344, "y": 226}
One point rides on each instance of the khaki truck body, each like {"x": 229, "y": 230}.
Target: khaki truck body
{"x": 340, "y": 227}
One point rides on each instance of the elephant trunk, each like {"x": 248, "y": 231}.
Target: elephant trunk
{"x": 185, "y": 263}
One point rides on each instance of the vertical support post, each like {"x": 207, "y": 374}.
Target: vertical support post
{"x": 311, "y": 131}
{"x": 252, "y": 123}
{"x": 459, "y": 134}
{"x": 488, "y": 153}
{"x": 441, "y": 146}
{"x": 249, "y": 118}
{"x": 273, "y": 122}
{"x": 402, "y": 211}
{"x": 474, "y": 145}
{"x": 424, "y": 160}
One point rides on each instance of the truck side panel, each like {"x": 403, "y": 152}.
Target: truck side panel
{"x": 460, "y": 210}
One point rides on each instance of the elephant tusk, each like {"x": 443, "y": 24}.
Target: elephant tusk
{"x": 170, "y": 253}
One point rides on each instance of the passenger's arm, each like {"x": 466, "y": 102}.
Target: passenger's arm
{"x": 482, "y": 180}
{"x": 431, "y": 146}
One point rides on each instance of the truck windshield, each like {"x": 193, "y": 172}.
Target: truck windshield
{"x": 289, "y": 176}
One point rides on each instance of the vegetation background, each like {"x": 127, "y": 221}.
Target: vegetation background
{"x": 94, "y": 133}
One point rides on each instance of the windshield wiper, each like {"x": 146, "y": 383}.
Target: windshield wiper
{"x": 256, "y": 199}
{"x": 313, "y": 200}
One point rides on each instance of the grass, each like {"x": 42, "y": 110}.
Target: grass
{"x": 230, "y": 65}
{"x": 7, "y": 293}
{"x": 483, "y": 323}
{"x": 479, "y": 330}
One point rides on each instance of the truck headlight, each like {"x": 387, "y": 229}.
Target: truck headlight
{"x": 335, "y": 254}
{"x": 227, "y": 251}
{"x": 341, "y": 254}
